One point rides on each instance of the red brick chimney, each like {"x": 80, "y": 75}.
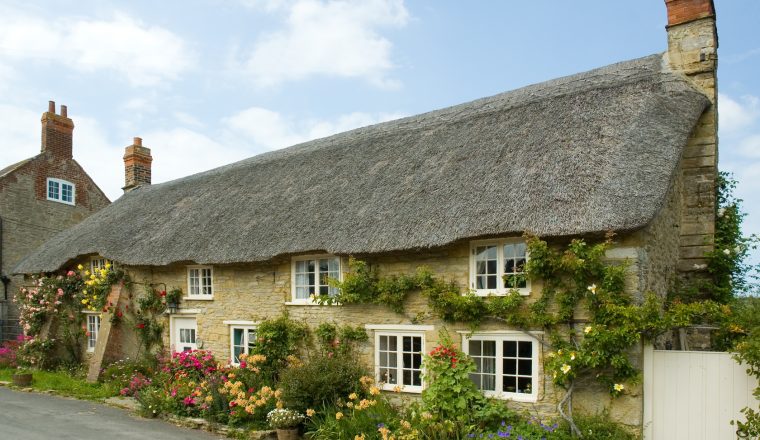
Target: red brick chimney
{"x": 57, "y": 131}
{"x": 137, "y": 160}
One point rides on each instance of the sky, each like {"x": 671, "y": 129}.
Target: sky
{"x": 210, "y": 82}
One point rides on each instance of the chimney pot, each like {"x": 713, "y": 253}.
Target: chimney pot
{"x": 51, "y": 107}
{"x": 137, "y": 141}
{"x": 64, "y": 111}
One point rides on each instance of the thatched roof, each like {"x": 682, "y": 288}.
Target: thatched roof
{"x": 586, "y": 153}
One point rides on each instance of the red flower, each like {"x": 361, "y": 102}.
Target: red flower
{"x": 163, "y": 293}
{"x": 140, "y": 326}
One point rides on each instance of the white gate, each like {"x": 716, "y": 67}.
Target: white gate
{"x": 693, "y": 395}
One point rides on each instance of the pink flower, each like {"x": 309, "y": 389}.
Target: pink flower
{"x": 70, "y": 273}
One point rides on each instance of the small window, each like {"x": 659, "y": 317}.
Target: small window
{"x": 498, "y": 267}
{"x": 200, "y": 282}
{"x": 61, "y": 191}
{"x": 398, "y": 360}
{"x": 93, "y": 327}
{"x": 506, "y": 366}
{"x": 98, "y": 263}
{"x": 310, "y": 277}
{"x": 242, "y": 341}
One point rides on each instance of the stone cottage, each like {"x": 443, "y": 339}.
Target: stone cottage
{"x": 39, "y": 197}
{"x": 630, "y": 148}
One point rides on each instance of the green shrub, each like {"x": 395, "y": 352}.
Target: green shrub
{"x": 277, "y": 339}
{"x": 323, "y": 379}
{"x": 120, "y": 373}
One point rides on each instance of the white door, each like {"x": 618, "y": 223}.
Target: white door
{"x": 184, "y": 333}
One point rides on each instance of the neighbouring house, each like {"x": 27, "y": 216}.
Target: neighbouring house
{"x": 629, "y": 148}
{"x": 40, "y": 197}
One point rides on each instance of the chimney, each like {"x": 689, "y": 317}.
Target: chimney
{"x": 137, "y": 161}
{"x": 57, "y": 131}
{"x": 693, "y": 40}
{"x": 693, "y": 52}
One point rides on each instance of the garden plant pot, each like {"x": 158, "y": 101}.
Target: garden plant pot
{"x": 288, "y": 434}
{"x": 22, "y": 379}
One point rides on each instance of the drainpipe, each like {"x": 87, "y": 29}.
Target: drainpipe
{"x": 4, "y": 278}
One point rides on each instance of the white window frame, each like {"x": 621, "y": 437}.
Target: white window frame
{"x": 60, "y": 183}
{"x": 200, "y": 296}
{"x": 399, "y": 334}
{"x": 500, "y": 338}
{"x": 500, "y": 289}
{"x": 246, "y": 341}
{"x": 94, "y": 330}
{"x": 98, "y": 262}
{"x": 294, "y": 260}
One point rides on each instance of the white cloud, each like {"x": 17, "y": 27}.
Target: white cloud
{"x": 271, "y": 130}
{"x": 141, "y": 54}
{"x": 21, "y": 134}
{"x": 330, "y": 38}
{"x": 735, "y": 115}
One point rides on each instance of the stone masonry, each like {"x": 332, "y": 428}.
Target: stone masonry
{"x": 692, "y": 50}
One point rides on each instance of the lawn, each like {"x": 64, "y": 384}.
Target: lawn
{"x": 65, "y": 384}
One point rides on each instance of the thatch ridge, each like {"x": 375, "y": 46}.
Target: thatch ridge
{"x": 582, "y": 154}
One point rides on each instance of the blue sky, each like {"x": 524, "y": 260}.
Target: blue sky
{"x": 209, "y": 82}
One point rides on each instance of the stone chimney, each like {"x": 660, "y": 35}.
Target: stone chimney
{"x": 693, "y": 51}
{"x": 57, "y": 131}
{"x": 137, "y": 160}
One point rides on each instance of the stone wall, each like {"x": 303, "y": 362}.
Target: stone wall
{"x": 29, "y": 219}
{"x": 254, "y": 292}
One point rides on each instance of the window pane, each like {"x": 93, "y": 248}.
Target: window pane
{"x": 491, "y": 282}
{"x": 383, "y": 342}
{"x": 510, "y": 348}
{"x": 489, "y": 348}
{"x": 392, "y": 343}
{"x": 416, "y": 378}
{"x": 251, "y": 339}
{"x": 526, "y": 349}
{"x": 525, "y": 367}
{"x": 489, "y": 365}
{"x": 67, "y": 192}
{"x": 407, "y": 343}
{"x": 510, "y": 384}
{"x": 302, "y": 292}
{"x": 524, "y": 385}
{"x": 474, "y": 348}
{"x": 489, "y": 382}
{"x": 237, "y": 336}
{"x": 510, "y": 366}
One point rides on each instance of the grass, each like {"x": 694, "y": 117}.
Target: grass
{"x": 65, "y": 384}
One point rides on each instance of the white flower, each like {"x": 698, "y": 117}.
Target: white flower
{"x": 565, "y": 368}
{"x": 727, "y": 251}
{"x": 592, "y": 289}
{"x": 721, "y": 212}
{"x": 588, "y": 329}
{"x": 619, "y": 387}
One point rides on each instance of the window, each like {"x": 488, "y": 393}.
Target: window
{"x": 200, "y": 282}
{"x": 97, "y": 263}
{"x": 61, "y": 191}
{"x": 242, "y": 341}
{"x": 398, "y": 360}
{"x": 93, "y": 327}
{"x": 506, "y": 365}
{"x": 310, "y": 275}
{"x": 498, "y": 267}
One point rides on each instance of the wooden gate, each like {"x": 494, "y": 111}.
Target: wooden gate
{"x": 693, "y": 395}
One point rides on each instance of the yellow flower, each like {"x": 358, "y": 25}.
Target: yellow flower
{"x": 619, "y": 387}
{"x": 80, "y": 267}
{"x": 108, "y": 265}
{"x": 406, "y": 425}
{"x": 310, "y": 412}
{"x": 565, "y": 368}
{"x": 359, "y": 436}
{"x": 350, "y": 404}
{"x": 87, "y": 273}
{"x": 588, "y": 329}
{"x": 398, "y": 388}
{"x": 352, "y": 396}
{"x": 84, "y": 301}
{"x": 209, "y": 399}
{"x": 103, "y": 273}
{"x": 338, "y": 415}
{"x": 374, "y": 390}
{"x": 572, "y": 356}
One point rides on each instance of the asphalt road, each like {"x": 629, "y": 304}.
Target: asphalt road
{"x": 30, "y": 416}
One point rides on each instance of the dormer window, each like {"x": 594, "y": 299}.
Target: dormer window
{"x": 61, "y": 191}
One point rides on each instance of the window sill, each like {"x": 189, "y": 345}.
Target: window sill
{"x": 522, "y": 292}
{"x": 308, "y": 303}
{"x": 515, "y": 397}
{"x": 407, "y": 389}
{"x": 197, "y": 298}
